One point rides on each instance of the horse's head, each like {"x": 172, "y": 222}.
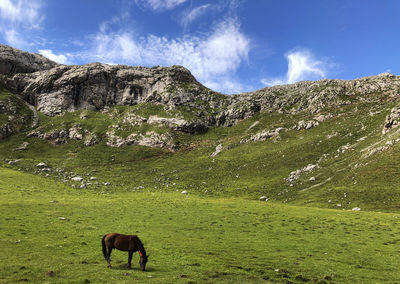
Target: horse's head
{"x": 143, "y": 261}
{"x": 142, "y": 252}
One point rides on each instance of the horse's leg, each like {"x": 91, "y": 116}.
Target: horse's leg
{"x": 108, "y": 257}
{"x": 130, "y": 259}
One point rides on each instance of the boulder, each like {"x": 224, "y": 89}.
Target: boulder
{"x": 42, "y": 165}
{"x": 23, "y": 146}
{"x": 77, "y": 178}
{"x": 218, "y": 150}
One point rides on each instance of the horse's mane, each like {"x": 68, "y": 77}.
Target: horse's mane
{"x": 140, "y": 246}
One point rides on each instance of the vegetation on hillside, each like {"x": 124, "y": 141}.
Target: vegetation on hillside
{"x": 53, "y": 235}
{"x": 353, "y": 163}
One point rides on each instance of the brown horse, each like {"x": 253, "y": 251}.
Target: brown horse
{"x": 129, "y": 243}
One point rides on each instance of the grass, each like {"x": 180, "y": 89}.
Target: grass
{"x": 4, "y": 94}
{"x": 47, "y": 227}
{"x": 219, "y": 232}
{"x": 242, "y": 170}
{"x": 14, "y": 113}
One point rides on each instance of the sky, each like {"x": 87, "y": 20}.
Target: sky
{"x": 230, "y": 46}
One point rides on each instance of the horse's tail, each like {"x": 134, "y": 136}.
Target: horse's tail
{"x": 103, "y": 244}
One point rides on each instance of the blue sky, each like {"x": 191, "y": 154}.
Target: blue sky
{"x": 230, "y": 46}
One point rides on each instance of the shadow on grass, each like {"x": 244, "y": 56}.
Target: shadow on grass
{"x": 124, "y": 267}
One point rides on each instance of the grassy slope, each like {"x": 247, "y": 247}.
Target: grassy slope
{"x": 215, "y": 233}
{"x": 189, "y": 238}
{"x": 21, "y": 114}
{"x": 249, "y": 170}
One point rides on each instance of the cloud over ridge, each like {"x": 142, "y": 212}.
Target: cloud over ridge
{"x": 302, "y": 65}
{"x": 209, "y": 57}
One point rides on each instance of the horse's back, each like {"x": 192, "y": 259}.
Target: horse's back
{"x": 120, "y": 241}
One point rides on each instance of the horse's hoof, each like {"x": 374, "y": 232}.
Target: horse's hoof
{"x": 109, "y": 266}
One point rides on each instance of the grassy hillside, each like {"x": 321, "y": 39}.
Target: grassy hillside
{"x": 15, "y": 115}
{"x": 313, "y": 167}
{"x": 354, "y": 164}
{"x": 53, "y": 235}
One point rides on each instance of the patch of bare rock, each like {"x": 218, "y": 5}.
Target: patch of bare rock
{"x": 263, "y": 135}
{"x": 61, "y": 136}
{"x": 149, "y": 139}
{"x": 392, "y": 120}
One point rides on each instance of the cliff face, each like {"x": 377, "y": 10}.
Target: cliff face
{"x": 94, "y": 86}
{"x": 14, "y": 61}
{"x": 55, "y": 89}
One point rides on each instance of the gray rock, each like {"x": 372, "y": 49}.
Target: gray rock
{"x": 322, "y": 117}
{"x": 90, "y": 139}
{"x": 263, "y": 135}
{"x": 263, "y": 198}
{"x": 41, "y": 165}
{"x": 253, "y": 125}
{"x": 302, "y": 124}
{"x": 13, "y": 162}
{"x": 14, "y": 61}
{"x": 295, "y": 175}
{"x": 392, "y": 120}
{"x": 194, "y": 127}
{"x": 149, "y": 139}
{"x": 77, "y": 178}
{"x": 74, "y": 132}
{"x": 55, "y": 89}
{"x": 218, "y": 150}
{"x": 23, "y": 146}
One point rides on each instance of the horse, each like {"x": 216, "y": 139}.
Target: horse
{"x": 129, "y": 243}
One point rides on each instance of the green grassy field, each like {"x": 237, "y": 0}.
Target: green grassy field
{"x": 51, "y": 234}
{"x": 219, "y": 232}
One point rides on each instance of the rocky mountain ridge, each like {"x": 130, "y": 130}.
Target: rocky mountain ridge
{"x": 55, "y": 89}
{"x": 334, "y": 141}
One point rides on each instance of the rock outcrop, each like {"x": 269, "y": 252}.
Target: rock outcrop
{"x": 392, "y": 120}
{"x": 149, "y": 139}
{"x": 194, "y": 127}
{"x": 61, "y": 136}
{"x": 263, "y": 135}
{"x": 55, "y": 89}
{"x": 15, "y": 116}
{"x": 14, "y": 61}
{"x": 95, "y": 86}
{"x": 302, "y": 124}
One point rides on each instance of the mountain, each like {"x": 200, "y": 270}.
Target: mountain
{"x": 330, "y": 143}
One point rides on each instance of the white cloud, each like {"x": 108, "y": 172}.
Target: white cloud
{"x": 160, "y": 5}
{"x": 193, "y": 14}
{"x": 14, "y": 38}
{"x": 17, "y": 17}
{"x": 50, "y": 55}
{"x": 212, "y": 58}
{"x": 26, "y": 12}
{"x": 226, "y": 84}
{"x": 301, "y": 66}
